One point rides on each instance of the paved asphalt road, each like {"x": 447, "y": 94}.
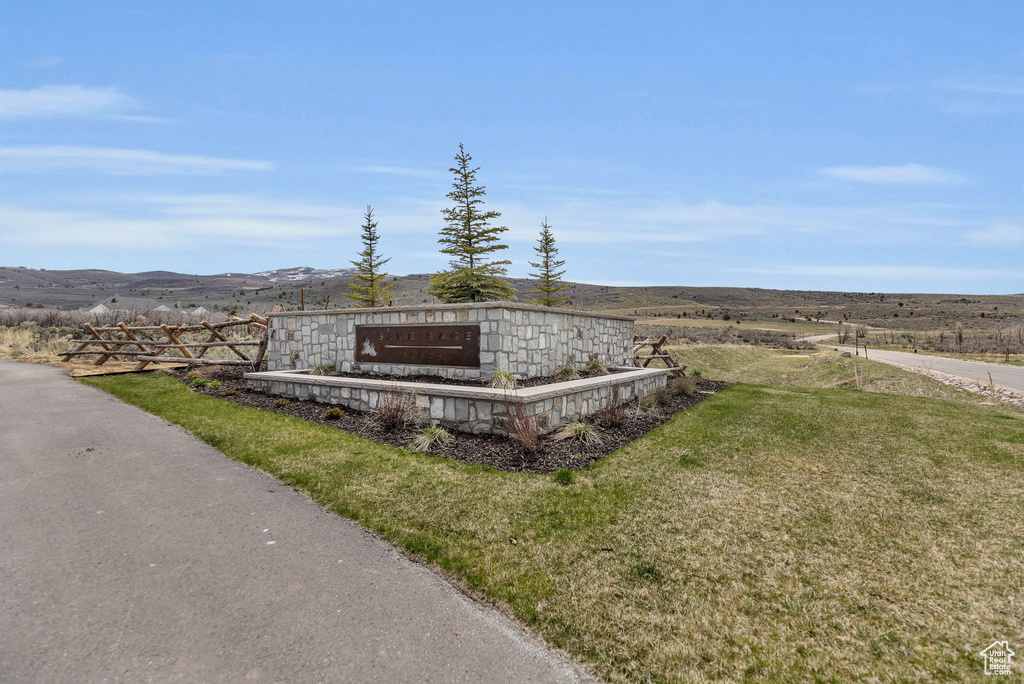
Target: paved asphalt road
{"x": 131, "y": 552}
{"x": 1007, "y": 376}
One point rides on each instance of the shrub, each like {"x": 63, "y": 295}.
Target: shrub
{"x": 685, "y": 386}
{"x": 659, "y": 397}
{"x": 281, "y": 402}
{"x": 395, "y": 410}
{"x": 581, "y": 430}
{"x": 213, "y": 384}
{"x": 200, "y": 382}
{"x": 333, "y": 414}
{"x": 503, "y": 380}
{"x": 613, "y": 414}
{"x": 430, "y": 436}
{"x": 567, "y": 372}
{"x": 522, "y": 427}
{"x": 563, "y": 477}
{"x": 595, "y": 366}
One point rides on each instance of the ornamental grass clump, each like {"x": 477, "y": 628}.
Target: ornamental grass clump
{"x": 684, "y": 386}
{"x": 395, "y": 410}
{"x": 613, "y": 414}
{"x": 281, "y": 402}
{"x": 659, "y": 397}
{"x": 568, "y": 372}
{"x": 580, "y": 430}
{"x": 503, "y": 380}
{"x": 522, "y": 427}
{"x": 595, "y": 366}
{"x": 333, "y": 414}
{"x": 431, "y": 436}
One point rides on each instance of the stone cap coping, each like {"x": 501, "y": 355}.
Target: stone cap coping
{"x": 453, "y": 307}
{"x": 525, "y": 394}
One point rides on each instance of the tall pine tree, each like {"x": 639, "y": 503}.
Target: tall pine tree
{"x": 369, "y": 288}
{"x": 469, "y": 238}
{"x": 548, "y": 276}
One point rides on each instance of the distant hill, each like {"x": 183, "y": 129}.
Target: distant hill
{"x": 82, "y": 289}
{"x": 303, "y": 274}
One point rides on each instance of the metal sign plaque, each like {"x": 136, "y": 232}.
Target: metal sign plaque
{"x": 429, "y": 345}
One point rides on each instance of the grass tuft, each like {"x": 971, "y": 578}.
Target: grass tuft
{"x": 579, "y": 430}
{"x": 431, "y": 436}
{"x": 563, "y": 477}
{"x": 503, "y": 380}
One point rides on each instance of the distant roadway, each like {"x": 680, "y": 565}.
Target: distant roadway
{"x": 1007, "y": 376}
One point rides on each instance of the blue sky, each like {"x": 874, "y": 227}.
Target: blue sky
{"x": 855, "y": 146}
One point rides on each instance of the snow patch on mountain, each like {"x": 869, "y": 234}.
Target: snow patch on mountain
{"x": 303, "y": 273}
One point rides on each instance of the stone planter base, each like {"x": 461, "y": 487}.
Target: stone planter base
{"x": 480, "y": 410}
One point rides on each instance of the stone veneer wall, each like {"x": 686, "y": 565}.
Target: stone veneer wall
{"x": 468, "y": 409}
{"x": 525, "y": 340}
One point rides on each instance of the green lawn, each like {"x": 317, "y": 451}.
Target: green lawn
{"x": 769, "y": 534}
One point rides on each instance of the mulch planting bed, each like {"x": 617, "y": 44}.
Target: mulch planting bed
{"x": 499, "y": 452}
{"x": 438, "y": 380}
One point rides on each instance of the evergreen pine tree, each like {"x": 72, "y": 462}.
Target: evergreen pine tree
{"x": 548, "y": 276}
{"x": 469, "y": 238}
{"x": 368, "y": 288}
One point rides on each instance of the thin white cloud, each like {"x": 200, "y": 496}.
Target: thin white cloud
{"x": 987, "y": 88}
{"x": 891, "y": 272}
{"x": 119, "y": 162}
{"x": 667, "y": 221}
{"x": 152, "y": 221}
{"x": 403, "y": 171}
{"x": 907, "y": 174}
{"x": 155, "y": 228}
{"x": 46, "y": 62}
{"x": 998, "y": 234}
{"x": 64, "y": 100}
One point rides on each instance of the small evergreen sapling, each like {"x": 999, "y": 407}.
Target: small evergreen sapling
{"x": 368, "y": 288}
{"x": 469, "y": 238}
{"x": 548, "y": 276}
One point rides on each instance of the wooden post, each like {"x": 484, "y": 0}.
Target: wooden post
{"x": 172, "y": 338}
{"x": 83, "y": 345}
{"x": 203, "y": 351}
{"x": 302, "y": 299}
{"x": 261, "y": 350}
{"x": 327, "y": 304}
{"x": 131, "y": 336}
{"x": 103, "y": 359}
{"x": 216, "y": 333}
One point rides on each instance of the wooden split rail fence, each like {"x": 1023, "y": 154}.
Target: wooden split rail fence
{"x": 643, "y": 357}
{"x": 137, "y": 342}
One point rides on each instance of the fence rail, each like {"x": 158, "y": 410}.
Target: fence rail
{"x": 137, "y": 342}
{"x": 642, "y": 357}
